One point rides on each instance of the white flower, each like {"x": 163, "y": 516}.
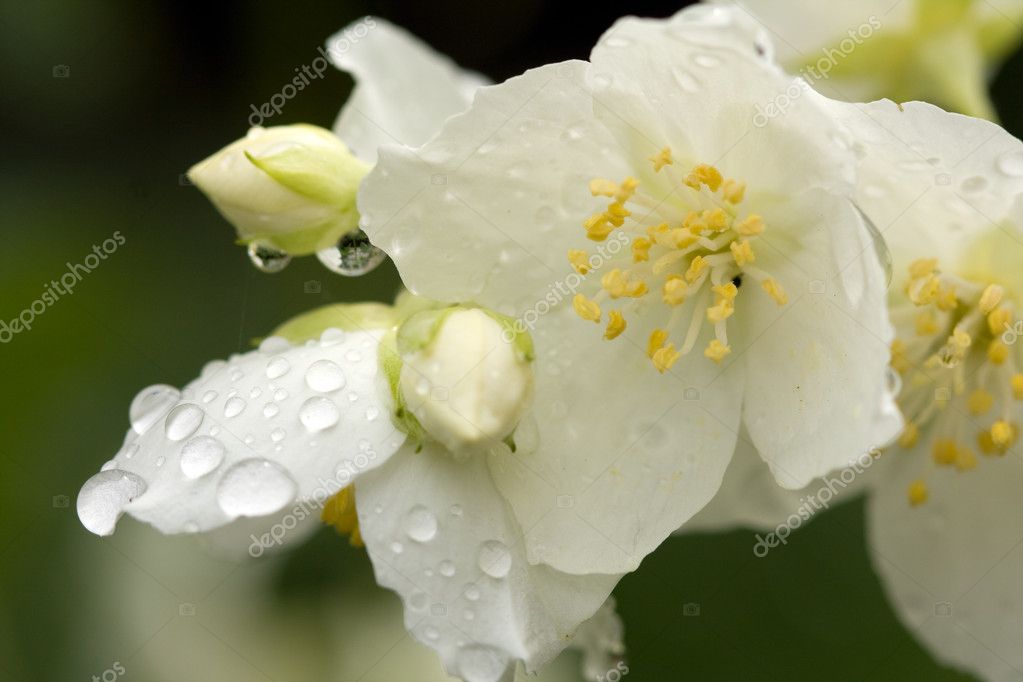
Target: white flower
{"x": 937, "y": 50}
{"x": 290, "y": 188}
{"x": 292, "y": 431}
{"x": 943, "y": 509}
{"x": 763, "y": 265}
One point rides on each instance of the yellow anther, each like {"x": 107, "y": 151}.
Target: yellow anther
{"x": 926, "y": 323}
{"x": 900, "y": 361}
{"x": 585, "y": 308}
{"x": 925, "y": 291}
{"x": 750, "y": 226}
{"x": 694, "y": 223}
{"x": 923, "y": 267}
{"x": 999, "y": 320}
{"x": 997, "y": 352}
{"x": 733, "y": 191}
{"x": 991, "y": 297}
{"x": 742, "y": 252}
{"x": 1017, "y": 386}
{"x": 980, "y": 401}
{"x": 627, "y": 189}
{"x": 917, "y": 492}
{"x": 617, "y": 213}
{"x": 910, "y": 436}
{"x": 674, "y": 290}
{"x": 601, "y": 187}
{"x": 716, "y": 219}
{"x": 619, "y": 285}
{"x": 641, "y": 249}
{"x": 656, "y": 342}
{"x": 598, "y": 227}
{"x": 615, "y": 325}
{"x": 716, "y": 351}
{"x": 1003, "y": 434}
{"x": 339, "y": 512}
{"x": 665, "y": 357}
{"x": 696, "y": 269}
{"x": 774, "y": 290}
{"x": 987, "y": 444}
{"x": 579, "y": 260}
{"x": 725, "y": 292}
{"x": 955, "y": 349}
{"x": 943, "y": 451}
{"x": 662, "y": 159}
{"x": 720, "y": 311}
{"x": 704, "y": 175}
{"x": 965, "y": 459}
{"x": 947, "y": 299}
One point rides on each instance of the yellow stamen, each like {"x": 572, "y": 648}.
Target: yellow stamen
{"x": 750, "y": 226}
{"x": 926, "y": 323}
{"x": 774, "y": 290}
{"x": 991, "y": 297}
{"x": 926, "y": 292}
{"x": 656, "y": 342}
{"x": 947, "y": 300}
{"x": 615, "y": 325}
{"x": 917, "y": 492}
{"x": 665, "y": 357}
{"x": 999, "y": 320}
{"x": 733, "y": 191}
{"x": 598, "y": 227}
{"x": 997, "y": 352}
{"x": 716, "y": 351}
{"x": 662, "y": 159}
{"x": 1017, "y": 386}
{"x": 580, "y": 261}
{"x": 585, "y": 308}
{"x": 704, "y": 175}
{"x": 980, "y": 401}
{"x": 619, "y": 285}
{"x": 339, "y": 512}
{"x": 742, "y": 252}
{"x": 674, "y": 291}
{"x": 716, "y": 219}
{"x": 696, "y": 268}
{"x": 943, "y": 451}
{"x": 900, "y": 361}
{"x": 641, "y": 249}
{"x": 617, "y": 213}
{"x": 923, "y": 267}
{"x": 600, "y": 187}
{"x": 965, "y": 459}
{"x": 628, "y": 188}
{"x": 1002, "y": 433}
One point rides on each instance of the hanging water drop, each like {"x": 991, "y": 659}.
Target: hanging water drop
{"x": 104, "y": 497}
{"x": 201, "y": 455}
{"x": 150, "y": 405}
{"x": 268, "y": 258}
{"x": 353, "y": 256}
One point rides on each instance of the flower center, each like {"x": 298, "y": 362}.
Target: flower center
{"x": 698, "y": 249}
{"x": 958, "y": 359}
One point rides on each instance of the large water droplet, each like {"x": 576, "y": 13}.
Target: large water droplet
{"x": 420, "y": 524}
{"x": 324, "y": 376}
{"x": 494, "y": 559}
{"x": 255, "y": 487}
{"x": 201, "y": 455}
{"x": 318, "y": 413}
{"x": 104, "y": 497}
{"x": 277, "y": 367}
{"x": 354, "y": 255}
{"x": 332, "y": 336}
{"x": 183, "y": 421}
{"x": 150, "y": 405}
{"x": 1012, "y": 164}
{"x": 272, "y": 345}
{"x": 233, "y": 407}
{"x": 268, "y": 258}
{"x": 481, "y": 664}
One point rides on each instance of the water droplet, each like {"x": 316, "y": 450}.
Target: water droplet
{"x": 481, "y": 664}
{"x": 280, "y": 394}
{"x": 255, "y": 392}
{"x": 201, "y": 455}
{"x": 270, "y": 410}
{"x": 431, "y": 633}
{"x": 446, "y": 568}
{"x": 420, "y": 524}
{"x": 278, "y": 434}
{"x": 209, "y": 396}
{"x": 686, "y": 81}
{"x": 977, "y": 183}
{"x": 131, "y": 450}
{"x": 472, "y": 592}
{"x": 324, "y": 376}
{"x": 318, "y": 413}
{"x": 1012, "y": 164}
{"x": 273, "y": 345}
{"x": 160, "y": 461}
{"x": 332, "y": 336}
{"x": 233, "y": 407}
{"x": 456, "y": 510}
{"x": 277, "y": 367}
{"x": 249, "y": 439}
{"x": 494, "y": 559}
{"x": 255, "y": 487}
{"x": 104, "y": 496}
{"x": 397, "y": 547}
{"x": 706, "y": 61}
{"x": 183, "y": 421}
{"x": 268, "y": 258}
{"x": 371, "y": 413}
{"x": 353, "y": 256}
{"x": 150, "y": 405}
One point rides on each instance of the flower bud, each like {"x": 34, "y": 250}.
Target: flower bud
{"x": 466, "y": 376}
{"x": 291, "y": 188}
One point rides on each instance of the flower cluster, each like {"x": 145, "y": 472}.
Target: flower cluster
{"x": 503, "y": 477}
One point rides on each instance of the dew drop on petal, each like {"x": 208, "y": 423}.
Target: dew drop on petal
{"x": 150, "y": 405}
{"x": 472, "y": 592}
{"x": 233, "y": 407}
{"x": 255, "y": 487}
{"x": 706, "y": 61}
{"x": 268, "y": 258}
{"x": 273, "y": 345}
{"x": 332, "y": 337}
{"x": 420, "y": 524}
{"x": 431, "y": 633}
{"x": 278, "y": 434}
{"x": 324, "y": 376}
{"x": 209, "y": 396}
{"x": 397, "y": 547}
{"x": 270, "y": 410}
{"x": 481, "y": 664}
{"x": 280, "y": 394}
{"x": 494, "y": 559}
{"x": 104, "y": 497}
{"x": 183, "y": 421}
{"x": 353, "y": 256}
{"x": 1011, "y": 164}
{"x": 277, "y": 367}
{"x": 318, "y": 413}
{"x": 353, "y": 356}
{"x": 371, "y": 412}
{"x": 201, "y": 455}
{"x": 446, "y": 569}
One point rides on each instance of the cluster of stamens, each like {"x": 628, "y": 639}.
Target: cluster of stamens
{"x": 703, "y": 252}
{"x": 956, "y": 360}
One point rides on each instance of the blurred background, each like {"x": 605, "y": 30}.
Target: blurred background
{"x": 104, "y": 107}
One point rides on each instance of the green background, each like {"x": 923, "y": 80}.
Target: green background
{"x": 151, "y": 89}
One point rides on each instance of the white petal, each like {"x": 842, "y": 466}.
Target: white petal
{"x": 404, "y": 89}
{"x": 487, "y": 211}
{"x": 440, "y": 536}
{"x": 249, "y": 437}
{"x": 818, "y": 394}
{"x": 952, "y": 566}
{"x": 625, "y": 455}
